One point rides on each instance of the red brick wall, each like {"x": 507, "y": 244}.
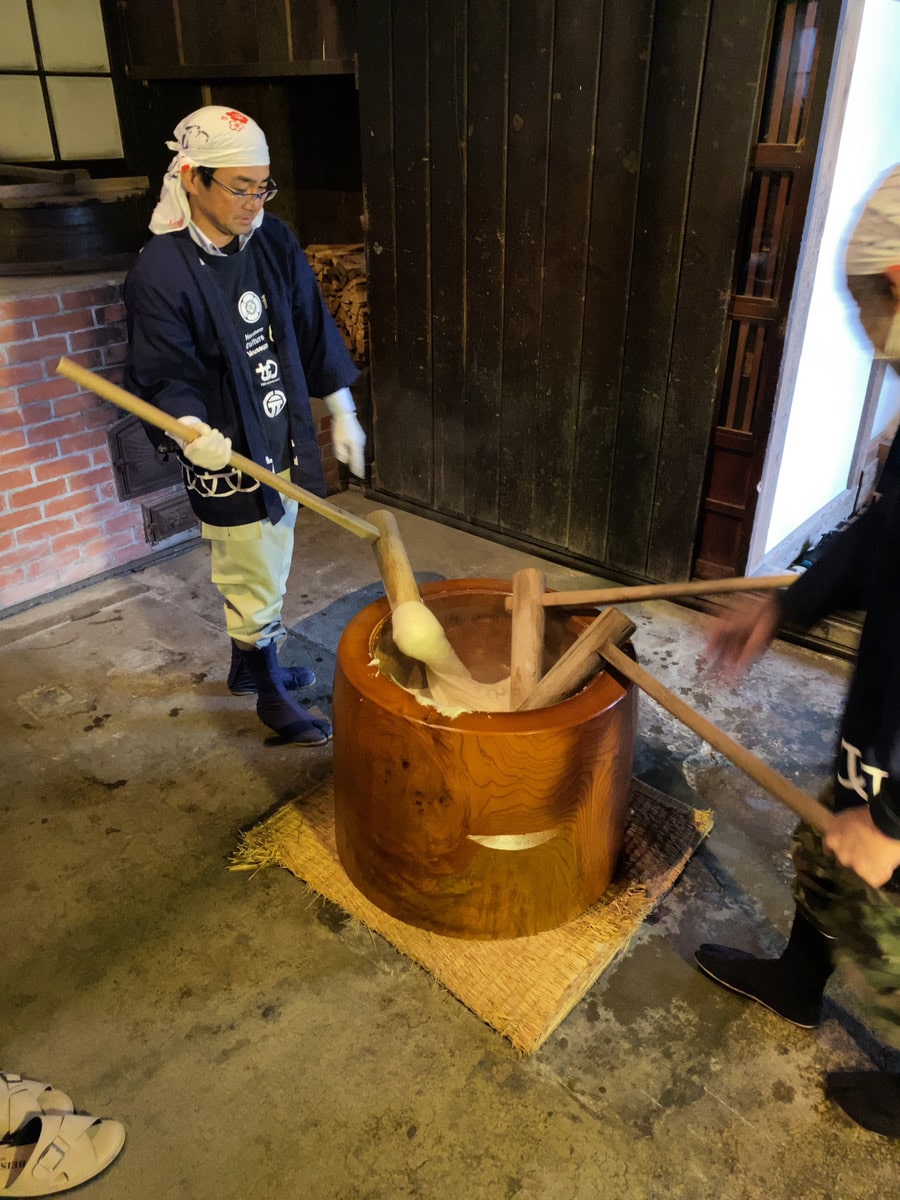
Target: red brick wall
{"x": 61, "y": 521}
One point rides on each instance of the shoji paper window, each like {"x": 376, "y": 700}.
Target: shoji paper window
{"x": 55, "y": 87}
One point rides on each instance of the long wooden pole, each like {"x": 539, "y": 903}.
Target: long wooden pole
{"x": 782, "y": 789}
{"x": 662, "y": 591}
{"x": 108, "y": 390}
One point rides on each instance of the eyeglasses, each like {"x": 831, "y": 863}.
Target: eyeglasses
{"x": 261, "y": 197}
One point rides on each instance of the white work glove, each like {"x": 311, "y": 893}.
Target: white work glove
{"x": 211, "y": 451}
{"x": 347, "y": 437}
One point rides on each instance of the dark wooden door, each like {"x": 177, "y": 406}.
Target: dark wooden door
{"x": 554, "y": 193}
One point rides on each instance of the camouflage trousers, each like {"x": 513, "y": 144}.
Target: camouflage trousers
{"x": 864, "y": 922}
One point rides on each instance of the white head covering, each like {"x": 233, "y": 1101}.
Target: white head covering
{"x": 213, "y": 136}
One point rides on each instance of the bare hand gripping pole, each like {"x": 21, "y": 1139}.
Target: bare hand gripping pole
{"x": 186, "y": 433}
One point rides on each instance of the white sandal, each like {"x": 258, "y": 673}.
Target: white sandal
{"x": 21, "y": 1099}
{"x": 69, "y": 1150}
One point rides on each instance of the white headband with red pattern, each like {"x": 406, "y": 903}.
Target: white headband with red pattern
{"x": 213, "y": 136}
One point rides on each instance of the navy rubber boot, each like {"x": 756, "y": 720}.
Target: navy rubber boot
{"x": 274, "y": 706}
{"x": 242, "y": 683}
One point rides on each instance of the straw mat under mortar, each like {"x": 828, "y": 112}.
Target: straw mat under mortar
{"x": 523, "y": 987}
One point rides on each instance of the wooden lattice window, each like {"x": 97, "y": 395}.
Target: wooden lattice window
{"x": 745, "y": 350}
{"x": 784, "y": 109}
{"x": 777, "y": 191}
{"x": 763, "y": 245}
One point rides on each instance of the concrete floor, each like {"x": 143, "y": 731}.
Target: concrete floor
{"x": 255, "y": 1043}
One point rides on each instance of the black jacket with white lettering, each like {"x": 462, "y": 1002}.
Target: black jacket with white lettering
{"x": 860, "y": 570}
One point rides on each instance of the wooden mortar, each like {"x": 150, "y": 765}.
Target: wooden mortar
{"x": 483, "y": 825}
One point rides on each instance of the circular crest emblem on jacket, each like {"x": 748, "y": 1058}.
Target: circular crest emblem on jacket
{"x": 274, "y": 402}
{"x": 250, "y": 307}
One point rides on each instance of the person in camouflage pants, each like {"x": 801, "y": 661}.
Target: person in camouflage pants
{"x": 848, "y": 905}
{"x": 862, "y": 921}
{"x": 846, "y": 887}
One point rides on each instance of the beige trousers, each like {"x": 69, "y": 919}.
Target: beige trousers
{"x": 250, "y": 567}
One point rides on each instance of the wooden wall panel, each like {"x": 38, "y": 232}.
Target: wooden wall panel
{"x": 222, "y": 35}
{"x": 324, "y": 29}
{"x": 570, "y": 168}
{"x": 315, "y": 161}
{"x": 676, "y": 67}
{"x": 174, "y": 38}
{"x": 376, "y": 119}
{"x": 412, "y": 424}
{"x": 527, "y": 166}
{"x": 560, "y": 220}
{"x": 273, "y": 31}
{"x": 243, "y": 53}
{"x": 160, "y": 107}
{"x": 624, "y": 64}
{"x": 151, "y": 32}
{"x": 447, "y": 185}
{"x": 485, "y": 241}
{"x": 732, "y": 80}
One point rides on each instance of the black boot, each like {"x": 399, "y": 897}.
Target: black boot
{"x": 242, "y": 683}
{"x": 870, "y": 1098}
{"x": 790, "y": 986}
{"x": 274, "y": 706}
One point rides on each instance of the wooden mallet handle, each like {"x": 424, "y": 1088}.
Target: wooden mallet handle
{"x": 581, "y": 660}
{"x": 108, "y": 390}
{"x": 393, "y": 563}
{"x": 588, "y": 597}
{"x": 527, "y": 649}
{"x": 445, "y": 669}
{"x": 782, "y": 789}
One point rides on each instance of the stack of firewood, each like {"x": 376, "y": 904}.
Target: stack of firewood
{"x": 341, "y": 272}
